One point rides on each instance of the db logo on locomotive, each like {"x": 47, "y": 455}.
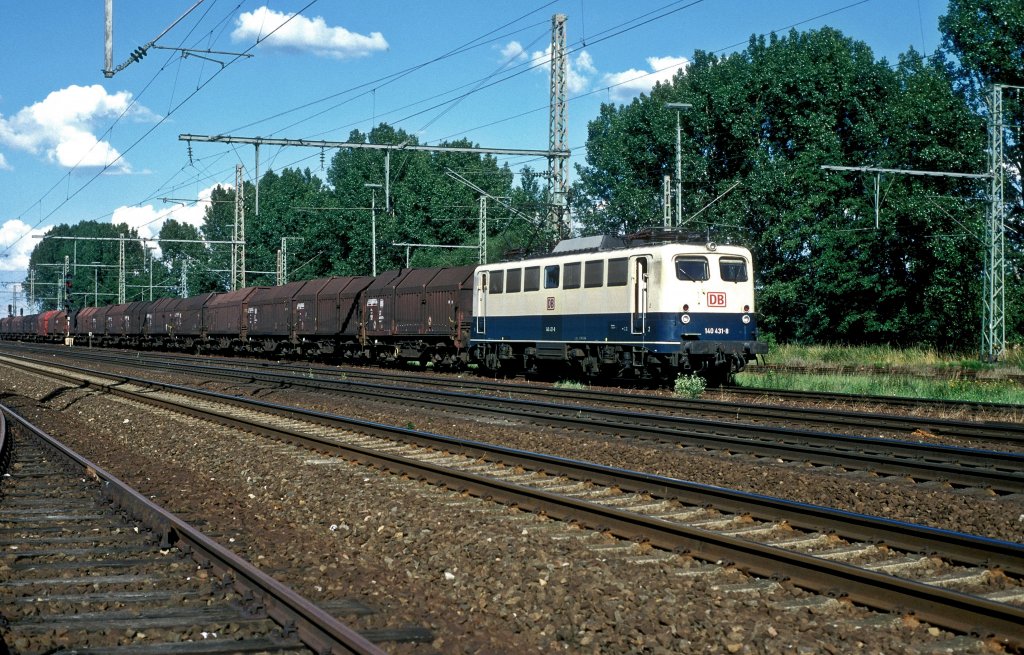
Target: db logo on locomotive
{"x": 716, "y": 299}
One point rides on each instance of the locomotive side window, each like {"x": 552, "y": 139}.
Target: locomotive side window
{"x": 531, "y": 281}
{"x": 693, "y": 269}
{"x": 572, "y": 276}
{"x": 593, "y": 274}
{"x": 733, "y": 269}
{"x": 497, "y": 281}
{"x": 618, "y": 272}
{"x": 551, "y": 277}
{"x": 512, "y": 278}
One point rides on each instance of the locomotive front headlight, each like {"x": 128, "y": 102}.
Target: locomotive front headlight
{"x": 746, "y": 319}
{"x": 685, "y": 318}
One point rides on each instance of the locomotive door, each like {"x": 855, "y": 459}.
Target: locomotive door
{"x": 480, "y": 313}
{"x": 638, "y": 302}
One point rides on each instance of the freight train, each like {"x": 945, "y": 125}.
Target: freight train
{"x": 649, "y": 307}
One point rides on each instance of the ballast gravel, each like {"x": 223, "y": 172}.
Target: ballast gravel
{"x": 481, "y": 578}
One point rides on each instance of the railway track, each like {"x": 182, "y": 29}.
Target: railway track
{"x": 962, "y": 582}
{"x": 1000, "y": 434}
{"x": 90, "y": 563}
{"x": 957, "y": 406}
{"x": 1001, "y": 472}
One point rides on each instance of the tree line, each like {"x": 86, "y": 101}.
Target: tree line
{"x": 841, "y": 256}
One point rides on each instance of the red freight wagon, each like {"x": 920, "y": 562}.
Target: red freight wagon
{"x": 270, "y": 312}
{"x": 189, "y": 319}
{"x": 125, "y": 322}
{"x": 448, "y": 304}
{"x": 93, "y": 320}
{"x": 337, "y": 306}
{"x": 57, "y": 325}
{"x": 226, "y": 316}
{"x": 430, "y": 301}
{"x": 304, "y": 307}
{"x": 42, "y": 322}
{"x": 378, "y": 320}
{"x": 160, "y": 320}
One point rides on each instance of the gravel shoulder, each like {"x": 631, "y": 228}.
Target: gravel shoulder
{"x": 484, "y": 578}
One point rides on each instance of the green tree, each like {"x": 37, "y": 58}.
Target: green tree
{"x": 427, "y": 205}
{"x": 94, "y": 242}
{"x": 176, "y": 255}
{"x": 763, "y": 123}
{"x": 213, "y": 273}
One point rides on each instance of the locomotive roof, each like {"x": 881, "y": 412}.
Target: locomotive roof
{"x": 608, "y": 243}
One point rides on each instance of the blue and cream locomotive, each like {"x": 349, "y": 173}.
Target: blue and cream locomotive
{"x": 647, "y": 308}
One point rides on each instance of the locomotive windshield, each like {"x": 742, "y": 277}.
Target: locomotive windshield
{"x": 733, "y": 269}
{"x": 694, "y": 269}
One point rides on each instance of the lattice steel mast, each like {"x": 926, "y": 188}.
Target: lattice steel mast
{"x": 558, "y": 130}
{"x": 238, "y": 238}
{"x": 993, "y": 313}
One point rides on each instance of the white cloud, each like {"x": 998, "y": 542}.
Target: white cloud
{"x": 61, "y": 126}
{"x": 305, "y": 34}
{"x": 17, "y": 258}
{"x": 579, "y": 69}
{"x": 513, "y": 52}
{"x": 4, "y": 166}
{"x": 632, "y": 82}
{"x": 148, "y": 220}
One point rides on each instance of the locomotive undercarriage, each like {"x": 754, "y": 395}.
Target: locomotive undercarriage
{"x": 579, "y": 361}
{"x": 604, "y": 361}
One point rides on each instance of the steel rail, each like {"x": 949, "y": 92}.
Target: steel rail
{"x": 996, "y": 431}
{"x": 314, "y": 627}
{"x": 997, "y": 470}
{"x": 951, "y": 609}
{"x": 899, "y": 401}
{"x": 1012, "y": 433}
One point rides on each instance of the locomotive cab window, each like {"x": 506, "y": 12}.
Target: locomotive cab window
{"x": 733, "y": 269}
{"x": 572, "y": 276}
{"x": 531, "y": 279}
{"x": 692, "y": 269}
{"x": 551, "y": 277}
{"x": 497, "y": 281}
{"x": 512, "y": 279}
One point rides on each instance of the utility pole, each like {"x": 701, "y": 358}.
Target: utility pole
{"x": 108, "y": 41}
{"x": 679, "y": 107}
{"x": 282, "y": 260}
{"x": 373, "y": 224}
{"x": 558, "y": 126}
{"x": 993, "y": 320}
{"x": 184, "y": 277}
{"x": 62, "y": 293}
{"x": 149, "y": 251}
{"x": 120, "y": 271}
{"x": 238, "y": 245}
{"x": 483, "y": 229}
{"x": 666, "y": 200}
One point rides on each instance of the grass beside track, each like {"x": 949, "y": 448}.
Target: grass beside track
{"x": 886, "y": 371}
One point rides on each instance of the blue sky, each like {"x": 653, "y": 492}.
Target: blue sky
{"x": 75, "y": 145}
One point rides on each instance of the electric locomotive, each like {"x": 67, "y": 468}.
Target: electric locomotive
{"x": 648, "y": 307}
